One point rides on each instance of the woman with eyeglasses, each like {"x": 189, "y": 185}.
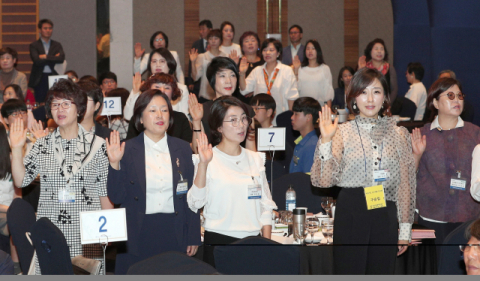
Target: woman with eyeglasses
{"x": 471, "y": 251}
{"x": 230, "y": 182}
{"x": 158, "y": 40}
{"x": 443, "y": 156}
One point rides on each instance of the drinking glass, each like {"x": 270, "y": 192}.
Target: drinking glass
{"x": 327, "y": 204}
{"x": 312, "y": 226}
{"x": 327, "y": 230}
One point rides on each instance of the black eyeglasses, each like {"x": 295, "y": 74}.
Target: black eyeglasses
{"x": 451, "y": 96}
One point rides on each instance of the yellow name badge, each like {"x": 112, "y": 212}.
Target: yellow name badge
{"x": 375, "y": 197}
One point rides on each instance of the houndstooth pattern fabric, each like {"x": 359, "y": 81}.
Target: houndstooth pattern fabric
{"x": 89, "y": 183}
{"x": 342, "y": 162}
{"x": 121, "y": 126}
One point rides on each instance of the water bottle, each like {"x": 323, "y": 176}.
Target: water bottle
{"x": 291, "y": 199}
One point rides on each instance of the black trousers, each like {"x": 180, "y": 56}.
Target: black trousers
{"x": 365, "y": 242}
{"x": 211, "y": 239}
{"x": 41, "y": 90}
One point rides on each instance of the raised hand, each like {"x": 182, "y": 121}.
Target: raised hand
{"x": 18, "y": 134}
{"x": 296, "y": 62}
{"x": 137, "y": 82}
{"x": 419, "y": 142}
{"x": 37, "y": 129}
{"x": 138, "y": 50}
{"x": 115, "y": 149}
{"x": 362, "y": 62}
{"x": 204, "y": 149}
{"x": 243, "y": 65}
{"x": 193, "y": 54}
{"x": 234, "y": 56}
{"x": 195, "y": 108}
{"x": 327, "y": 129}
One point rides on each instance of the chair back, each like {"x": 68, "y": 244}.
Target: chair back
{"x": 284, "y": 120}
{"x": 171, "y": 263}
{"x": 257, "y": 256}
{"x": 20, "y": 218}
{"x": 6, "y": 264}
{"x": 451, "y": 258}
{"x": 51, "y": 247}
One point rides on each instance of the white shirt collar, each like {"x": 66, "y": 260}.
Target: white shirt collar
{"x": 296, "y": 49}
{"x": 276, "y": 67}
{"x": 436, "y": 125}
{"x": 161, "y": 145}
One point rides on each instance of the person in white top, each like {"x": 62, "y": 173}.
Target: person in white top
{"x": 417, "y": 92}
{"x": 273, "y": 78}
{"x": 230, "y": 182}
{"x": 202, "y": 61}
{"x": 232, "y": 50}
{"x": 161, "y": 61}
{"x": 313, "y": 75}
{"x": 158, "y": 40}
{"x": 475, "y": 188}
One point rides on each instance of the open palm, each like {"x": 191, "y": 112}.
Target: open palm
{"x": 18, "y": 134}
{"x": 115, "y": 149}
{"x": 327, "y": 128}
{"x": 204, "y": 149}
{"x": 195, "y": 108}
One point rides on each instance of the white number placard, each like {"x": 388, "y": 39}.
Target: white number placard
{"x": 103, "y": 225}
{"x": 112, "y": 106}
{"x": 54, "y": 78}
{"x": 271, "y": 139}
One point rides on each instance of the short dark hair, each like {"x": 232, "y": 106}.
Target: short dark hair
{"x": 215, "y": 33}
{"x": 69, "y": 90}
{"x": 17, "y": 89}
{"x": 307, "y": 105}
{"x": 10, "y": 51}
{"x": 361, "y": 80}
{"x": 163, "y": 78}
{"x": 217, "y": 64}
{"x": 11, "y": 106}
{"x": 89, "y": 78}
{"x": 225, "y": 23}
{"x": 265, "y": 100}
{"x": 165, "y": 53}
{"x": 217, "y": 113}
{"x": 107, "y": 75}
{"x": 368, "y": 50}
{"x": 207, "y": 23}
{"x": 473, "y": 230}
{"x": 141, "y": 104}
{"x": 340, "y": 74}
{"x": 438, "y": 87}
{"x": 155, "y": 35}
{"x": 296, "y": 26}
{"x": 276, "y": 43}
{"x": 317, "y": 47}
{"x": 247, "y": 34}
{"x": 5, "y": 162}
{"x": 75, "y": 74}
{"x": 44, "y": 21}
{"x": 93, "y": 91}
{"x": 119, "y": 92}
{"x": 417, "y": 68}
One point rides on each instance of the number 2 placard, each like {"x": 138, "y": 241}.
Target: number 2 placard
{"x": 271, "y": 139}
{"x": 103, "y": 226}
{"x": 112, "y": 106}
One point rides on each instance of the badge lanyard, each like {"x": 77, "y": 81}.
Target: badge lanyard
{"x": 269, "y": 87}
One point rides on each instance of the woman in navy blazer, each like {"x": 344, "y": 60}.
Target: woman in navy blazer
{"x": 152, "y": 229}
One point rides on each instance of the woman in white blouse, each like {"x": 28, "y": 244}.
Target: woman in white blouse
{"x": 202, "y": 61}
{"x": 228, "y": 47}
{"x": 371, "y": 159}
{"x": 313, "y": 75}
{"x": 161, "y": 61}
{"x": 230, "y": 182}
{"x": 273, "y": 78}
{"x": 158, "y": 40}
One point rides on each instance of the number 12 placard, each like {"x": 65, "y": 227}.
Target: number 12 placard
{"x": 112, "y": 106}
{"x": 103, "y": 226}
{"x": 271, "y": 139}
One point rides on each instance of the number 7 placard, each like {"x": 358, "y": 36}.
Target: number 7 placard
{"x": 112, "y": 106}
{"x": 103, "y": 226}
{"x": 271, "y": 139}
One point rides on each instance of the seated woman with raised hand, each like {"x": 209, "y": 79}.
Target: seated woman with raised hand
{"x": 230, "y": 182}
{"x": 150, "y": 175}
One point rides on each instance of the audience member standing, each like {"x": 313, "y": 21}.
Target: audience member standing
{"x": 94, "y": 105}
{"x": 295, "y": 48}
{"x": 45, "y": 53}
{"x": 8, "y": 73}
{"x": 344, "y": 77}
{"x": 313, "y": 75}
{"x": 417, "y": 92}
{"x": 228, "y": 47}
{"x": 107, "y": 81}
{"x": 200, "y": 45}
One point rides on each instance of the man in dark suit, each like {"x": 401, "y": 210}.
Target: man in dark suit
{"x": 296, "y": 48}
{"x": 201, "y": 46}
{"x": 45, "y": 53}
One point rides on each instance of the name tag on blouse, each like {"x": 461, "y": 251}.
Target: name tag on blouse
{"x": 458, "y": 183}
{"x": 182, "y": 187}
{"x": 375, "y": 196}
{"x": 254, "y": 191}
{"x": 66, "y": 195}
{"x": 381, "y": 175}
